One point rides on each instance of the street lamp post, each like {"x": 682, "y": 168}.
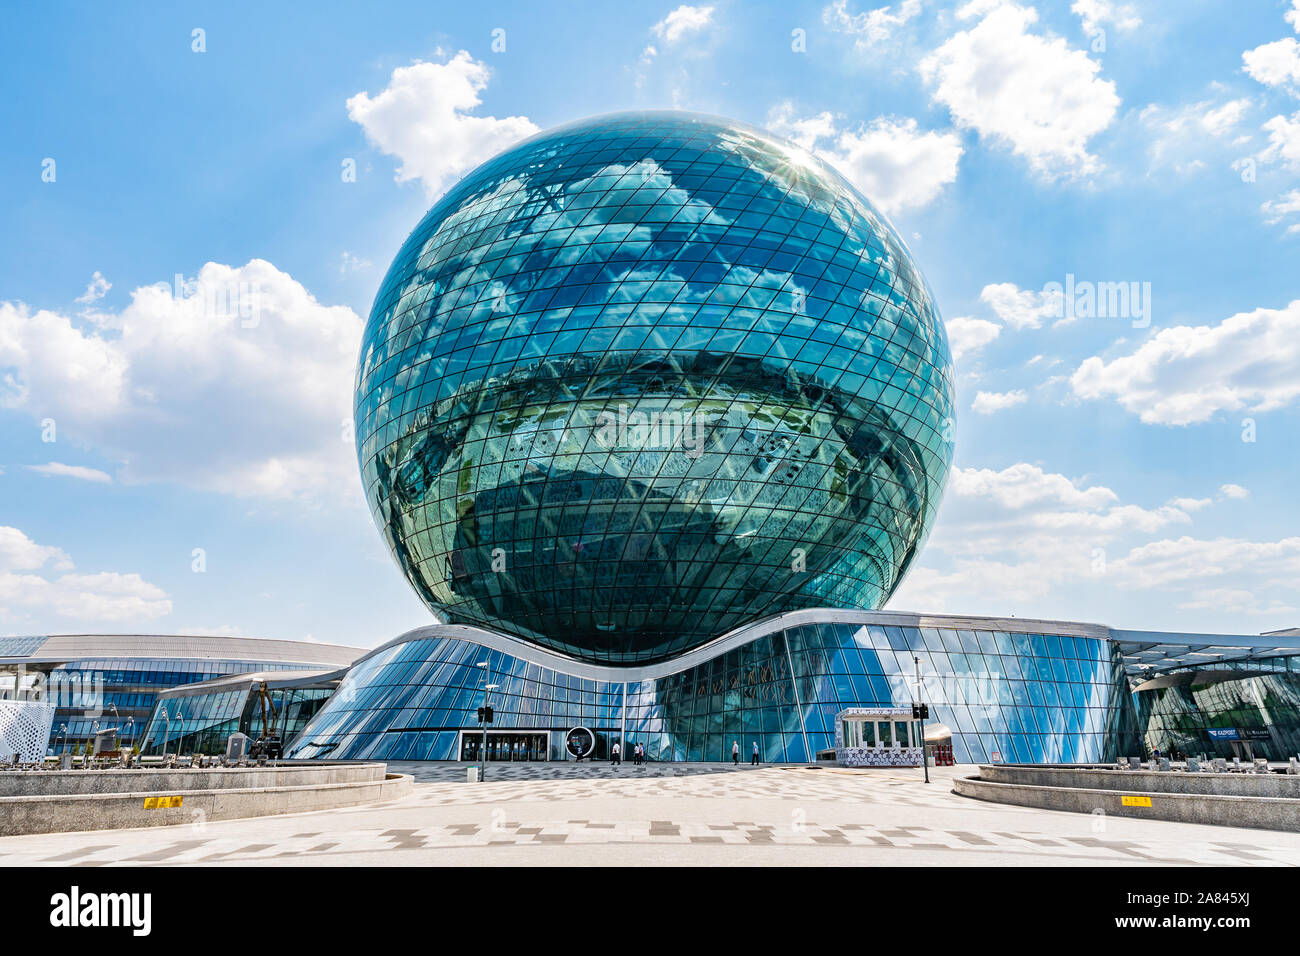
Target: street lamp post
{"x": 921, "y": 709}
{"x": 482, "y": 721}
{"x": 167, "y": 730}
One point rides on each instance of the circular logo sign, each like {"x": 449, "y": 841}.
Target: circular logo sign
{"x": 580, "y": 742}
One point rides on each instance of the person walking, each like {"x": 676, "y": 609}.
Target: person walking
{"x": 735, "y": 752}
{"x": 754, "y": 759}
{"x": 615, "y": 756}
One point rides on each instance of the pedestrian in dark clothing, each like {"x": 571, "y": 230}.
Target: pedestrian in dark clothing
{"x": 754, "y": 760}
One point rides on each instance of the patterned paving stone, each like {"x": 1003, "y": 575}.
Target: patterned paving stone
{"x": 843, "y": 818}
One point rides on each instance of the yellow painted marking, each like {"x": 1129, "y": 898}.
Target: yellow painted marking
{"x": 1135, "y": 801}
{"x": 156, "y": 803}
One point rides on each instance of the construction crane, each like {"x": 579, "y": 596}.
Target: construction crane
{"x": 268, "y": 744}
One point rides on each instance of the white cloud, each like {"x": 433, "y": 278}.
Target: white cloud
{"x": 96, "y": 289}
{"x": 1186, "y": 374}
{"x": 1029, "y": 92}
{"x": 966, "y": 335}
{"x": 1190, "y": 504}
{"x": 1292, "y": 16}
{"x": 29, "y": 583}
{"x": 871, "y": 27}
{"x": 1014, "y": 535}
{"x": 20, "y": 553}
{"x": 1023, "y": 484}
{"x": 1178, "y": 135}
{"x": 241, "y": 385}
{"x": 1095, "y": 14}
{"x": 1277, "y": 210}
{"x": 1234, "y": 601}
{"x": 57, "y": 469}
{"x": 423, "y": 118}
{"x": 351, "y": 263}
{"x": 1027, "y": 541}
{"x": 682, "y": 21}
{"x": 894, "y": 163}
{"x": 1234, "y": 491}
{"x": 1222, "y": 120}
{"x": 1188, "y": 561}
{"x": 1275, "y": 64}
{"x": 1021, "y": 308}
{"x": 1283, "y": 141}
{"x": 986, "y": 403}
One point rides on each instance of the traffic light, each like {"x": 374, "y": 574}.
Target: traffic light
{"x": 485, "y": 715}
{"x": 920, "y": 711}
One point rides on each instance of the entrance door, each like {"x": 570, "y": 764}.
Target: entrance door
{"x": 505, "y": 746}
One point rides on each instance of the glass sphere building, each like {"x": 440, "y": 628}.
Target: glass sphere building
{"x": 653, "y": 411}
{"x": 646, "y": 378}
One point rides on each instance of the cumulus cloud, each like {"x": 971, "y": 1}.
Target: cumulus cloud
{"x": 56, "y": 469}
{"x": 1179, "y": 135}
{"x": 1187, "y": 374}
{"x": 1283, "y": 207}
{"x": 1283, "y": 141}
{"x": 1234, "y": 491}
{"x": 1031, "y": 93}
{"x": 1015, "y": 534}
{"x": 240, "y": 384}
{"x": 1027, "y": 541}
{"x": 986, "y": 403}
{"x": 1021, "y": 485}
{"x": 1188, "y": 561}
{"x": 1095, "y": 14}
{"x": 1021, "y": 308}
{"x": 424, "y": 119}
{"x": 873, "y": 26}
{"x": 30, "y": 581}
{"x": 1275, "y": 64}
{"x": 967, "y": 335}
{"x": 96, "y": 289}
{"x": 681, "y": 22}
{"x": 893, "y": 162}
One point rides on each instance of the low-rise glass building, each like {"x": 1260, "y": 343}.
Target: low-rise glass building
{"x": 101, "y": 681}
{"x": 198, "y": 718}
{"x": 1232, "y": 701}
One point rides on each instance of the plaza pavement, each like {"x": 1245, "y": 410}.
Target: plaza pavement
{"x": 692, "y": 814}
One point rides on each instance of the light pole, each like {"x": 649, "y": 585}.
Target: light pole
{"x": 920, "y": 710}
{"x": 483, "y": 719}
{"x": 116, "y": 715}
{"x": 482, "y": 722}
{"x": 167, "y": 732}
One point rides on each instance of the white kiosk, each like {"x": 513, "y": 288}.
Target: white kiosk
{"x": 877, "y": 737}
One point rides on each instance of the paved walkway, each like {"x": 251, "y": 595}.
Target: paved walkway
{"x": 697, "y": 814}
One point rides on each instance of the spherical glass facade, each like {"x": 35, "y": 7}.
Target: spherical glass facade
{"x": 647, "y": 377}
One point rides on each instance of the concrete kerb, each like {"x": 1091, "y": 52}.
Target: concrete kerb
{"x": 68, "y": 812}
{"x": 1265, "y": 813}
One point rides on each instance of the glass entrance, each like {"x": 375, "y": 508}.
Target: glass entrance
{"x": 505, "y": 745}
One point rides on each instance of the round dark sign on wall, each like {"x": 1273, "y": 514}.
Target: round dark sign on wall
{"x": 580, "y": 742}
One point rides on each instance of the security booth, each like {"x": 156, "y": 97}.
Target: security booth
{"x": 877, "y": 737}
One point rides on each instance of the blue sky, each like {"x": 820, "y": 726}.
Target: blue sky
{"x": 171, "y": 463}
